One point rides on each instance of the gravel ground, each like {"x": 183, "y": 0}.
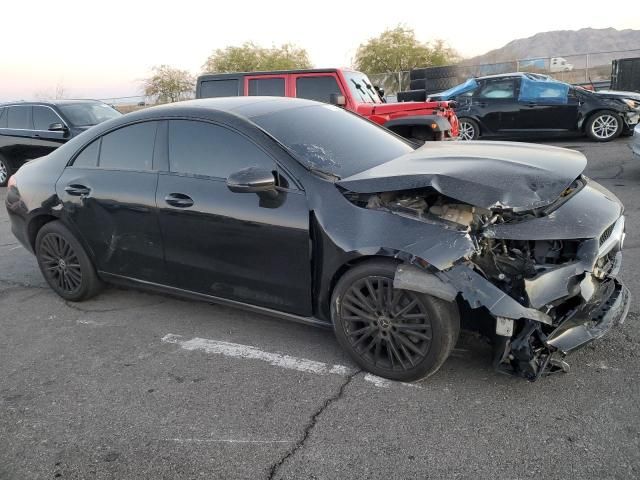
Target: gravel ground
{"x": 99, "y": 390}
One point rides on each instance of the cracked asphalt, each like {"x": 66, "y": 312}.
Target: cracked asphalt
{"x": 91, "y": 390}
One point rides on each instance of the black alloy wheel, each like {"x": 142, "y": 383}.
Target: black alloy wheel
{"x": 65, "y": 264}
{"x": 398, "y": 334}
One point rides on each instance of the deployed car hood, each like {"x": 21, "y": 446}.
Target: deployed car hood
{"x": 507, "y": 175}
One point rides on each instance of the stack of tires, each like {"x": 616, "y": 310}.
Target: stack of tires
{"x": 430, "y": 80}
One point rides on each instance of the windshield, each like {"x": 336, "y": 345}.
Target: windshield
{"x": 88, "y": 114}
{"x": 361, "y": 87}
{"x": 465, "y": 87}
{"x": 329, "y": 139}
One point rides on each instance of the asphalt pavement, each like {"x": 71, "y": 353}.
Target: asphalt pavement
{"x": 137, "y": 385}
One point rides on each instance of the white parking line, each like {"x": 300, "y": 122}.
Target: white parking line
{"x": 237, "y": 350}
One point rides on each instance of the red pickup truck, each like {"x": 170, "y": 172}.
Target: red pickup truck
{"x": 416, "y": 121}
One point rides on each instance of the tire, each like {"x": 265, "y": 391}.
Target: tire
{"x": 469, "y": 129}
{"x": 392, "y": 345}
{"x": 417, "y": 84}
{"x": 604, "y": 126}
{"x": 431, "y": 73}
{"x": 64, "y": 263}
{"x": 441, "y": 84}
{"x": 417, "y": 74}
{"x": 441, "y": 72}
{"x": 412, "y": 96}
{"x": 5, "y": 172}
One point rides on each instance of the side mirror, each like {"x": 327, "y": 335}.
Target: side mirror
{"x": 252, "y": 180}
{"x": 337, "y": 99}
{"x": 57, "y": 127}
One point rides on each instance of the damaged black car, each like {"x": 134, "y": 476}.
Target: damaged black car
{"x": 301, "y": 210}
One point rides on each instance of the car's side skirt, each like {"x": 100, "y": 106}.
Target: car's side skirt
{"x": 122, "y": 280}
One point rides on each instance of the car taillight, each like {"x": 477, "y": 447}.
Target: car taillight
{"x": 12, "y": 182}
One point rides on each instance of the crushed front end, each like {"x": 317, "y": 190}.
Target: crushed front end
{"x": 549, "y": 293}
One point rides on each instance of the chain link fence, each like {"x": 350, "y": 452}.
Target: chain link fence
{"x": 586, "y": 68}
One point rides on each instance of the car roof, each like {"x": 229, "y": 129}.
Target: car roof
{"x": 50, "y": 102}
{"x": 244, "y": 106}
{"x": 514, "y": 74}
{"x": 209, "y": 76}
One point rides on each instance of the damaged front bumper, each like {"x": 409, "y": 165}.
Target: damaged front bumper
{"x": 563, "y": 307}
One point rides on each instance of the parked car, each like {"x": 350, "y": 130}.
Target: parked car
{"x": 418, "y": 121}
{"x": 635, "y": 141}
{"x": 303, "y": 210}
{"x": 30, "y": 130}
{"x": 524, "y": 105}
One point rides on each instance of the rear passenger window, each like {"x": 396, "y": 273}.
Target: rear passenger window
{"x": 129, "y": 148}
{"x": 497, "y": 89}
{"x": 219, "y": 88}
{"x": 270, "y": 87}
{"x": 200, "y": 148}
{"x": 43, "y": 117}
{"x": 3, "y": 118}
{"x": 89, "y": 156}
{"x": 18, "y": 117}
{"x": 317, "y": 88}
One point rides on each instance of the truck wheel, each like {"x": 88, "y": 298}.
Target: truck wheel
{"x": 468, "y": 129}
{"x": 5, "y": 172}
{"x": 397, "y": 334}
{"x": 604, "y": 126}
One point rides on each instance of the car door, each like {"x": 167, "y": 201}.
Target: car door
{"x": 547, "y": 106}
{"x": 239, "y": 246}
{"x": 16, "y": 144}
{"x": 45, "y": 140}
{"x": 495, "y": 105}
{"x": 108, "y": 194}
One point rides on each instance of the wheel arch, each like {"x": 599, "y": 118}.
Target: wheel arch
{"x": 34, "y": 226}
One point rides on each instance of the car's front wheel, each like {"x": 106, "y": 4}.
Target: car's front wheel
{"x": 468, "y": 129}
{"x": 397, "y": 334}
{"x": 64, "y": 263}
{"x": 5, "y": 172}
{"x": 604, "y": 126}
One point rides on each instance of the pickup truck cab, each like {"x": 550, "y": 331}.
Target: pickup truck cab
{"x": 352, "y": 90}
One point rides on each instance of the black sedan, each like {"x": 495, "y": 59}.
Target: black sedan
{"x": 517, "y": 105}
{"x": 304, "y": 211}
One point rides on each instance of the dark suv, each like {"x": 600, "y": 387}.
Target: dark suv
{"x": 30, "y": 130}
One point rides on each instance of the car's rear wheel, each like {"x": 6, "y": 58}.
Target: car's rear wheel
{"x": 468, "y": 129}
{"x": 5, "y": 172}
{"x": 64, "y": 263}
{"x": 604, "y": 126}
{"x": 397, "y": 334}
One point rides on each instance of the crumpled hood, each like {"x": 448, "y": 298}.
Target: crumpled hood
{"x": 517, "y": 176}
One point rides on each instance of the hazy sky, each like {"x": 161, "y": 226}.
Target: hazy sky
{"x": 102, "y": 49}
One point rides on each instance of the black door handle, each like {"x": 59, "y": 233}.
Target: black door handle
{"x": 179, "y": 200}
{"x": 77, "y": 190}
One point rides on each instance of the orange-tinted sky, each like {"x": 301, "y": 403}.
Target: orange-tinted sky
{"x": 102, "y": 49}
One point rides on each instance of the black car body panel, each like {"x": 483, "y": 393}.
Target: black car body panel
{"x": 510, "y": 116}
{"x": 510, "y": 176}
{"x": 535, "y": 249}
